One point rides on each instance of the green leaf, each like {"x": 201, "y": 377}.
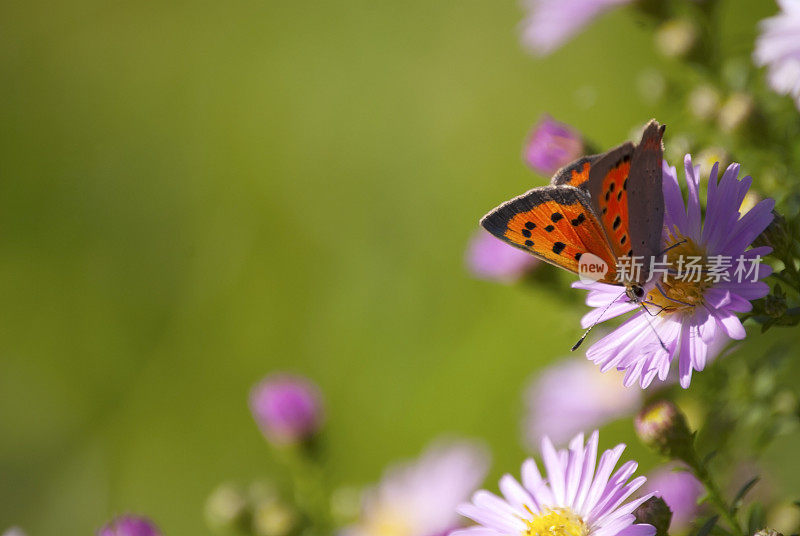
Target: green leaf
{"x": 705, "y": 530}
{"x": 710, "y": 456}
{"x": 756, "y": 520}
{"x": 737, "y": 501}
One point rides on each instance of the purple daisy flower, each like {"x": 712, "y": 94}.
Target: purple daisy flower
{"x": 420, "y": 498}
{"x": 130, "y": 526}
{"x": 550, "y": 23}
{"x": 574, "y": 498}
{"x": 554, "y": 411}
{"x": 680, "y": 490}
{"x": 494, "y": 260}
{"x": 778, "y": 47}
{"x": 287, "y": 408}
{"x": 552, "y": 145}
{"x": 695, "y": 317}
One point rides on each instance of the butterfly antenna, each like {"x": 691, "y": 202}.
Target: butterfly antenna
{"x": 676, "y": 244}
{"x": 599, "y": 318}
{"x": 655, "y": 332}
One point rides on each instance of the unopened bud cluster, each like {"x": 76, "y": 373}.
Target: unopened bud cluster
{"x": 663, "y": 427}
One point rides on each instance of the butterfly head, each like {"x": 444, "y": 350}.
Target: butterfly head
{"x": 635, "y": 292}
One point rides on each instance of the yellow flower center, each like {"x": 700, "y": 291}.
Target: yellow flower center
{"x": 555, "y": 522}
{"x": 686, "y": 283}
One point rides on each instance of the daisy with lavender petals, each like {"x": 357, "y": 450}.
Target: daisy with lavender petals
{"x": 551, "y": 23}
{"x": 695, "y": 314}
{"x": 420, "y": 498}
{"x": 778, "y": 47}
{"x": 572, "y": 500}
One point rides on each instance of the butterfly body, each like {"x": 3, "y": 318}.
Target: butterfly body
{"x": 609, "y": 205}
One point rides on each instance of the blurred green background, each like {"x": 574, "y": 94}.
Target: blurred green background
{"x": 195, "y": 194}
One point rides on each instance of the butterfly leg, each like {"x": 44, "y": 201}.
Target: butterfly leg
{"x": 646, "y": 310}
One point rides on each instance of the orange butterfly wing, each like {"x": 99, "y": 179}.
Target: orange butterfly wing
{"x": 633, "y": 171}
{"x": 576, "y": 173}
{"x": 554, "y": 223}
{"x": 608, "y": 188}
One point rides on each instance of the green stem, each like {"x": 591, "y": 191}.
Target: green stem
{"x": 715, "y": 496}
{"x": 310, "y": 484}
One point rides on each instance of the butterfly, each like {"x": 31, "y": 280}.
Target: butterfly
{"x": 609, "y": 205}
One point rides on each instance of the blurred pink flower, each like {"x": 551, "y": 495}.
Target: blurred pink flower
{"x": 554, "y": 410}
{"x": 778, "y": 47}
{"x": 550, "y": 23}
{"x": 552, "y": 145}
{"x": 287, "y": 408}
{"x": 419, "y": 498}
{"x": 573, "y": 496}
{"x": 129, "y": 525}
{"x": 680, "y": 490}
{"x": 492, "y": 259}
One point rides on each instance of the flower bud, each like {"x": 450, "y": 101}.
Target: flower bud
{"x": 775, "y": 305}
{"x": 129, "y": 525}
{"x": 226, "y": 508}
{"x": 676, "y": 38}
{"x": 680, "y": 490}
{"x": 654, "y": 511}
{"x": 552, "y": 145}
{"x": 287, "y": 409}
{"x": 736, "y": 111}
{"x": 662, "y": 427}
{"x": 777, "y": 235}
